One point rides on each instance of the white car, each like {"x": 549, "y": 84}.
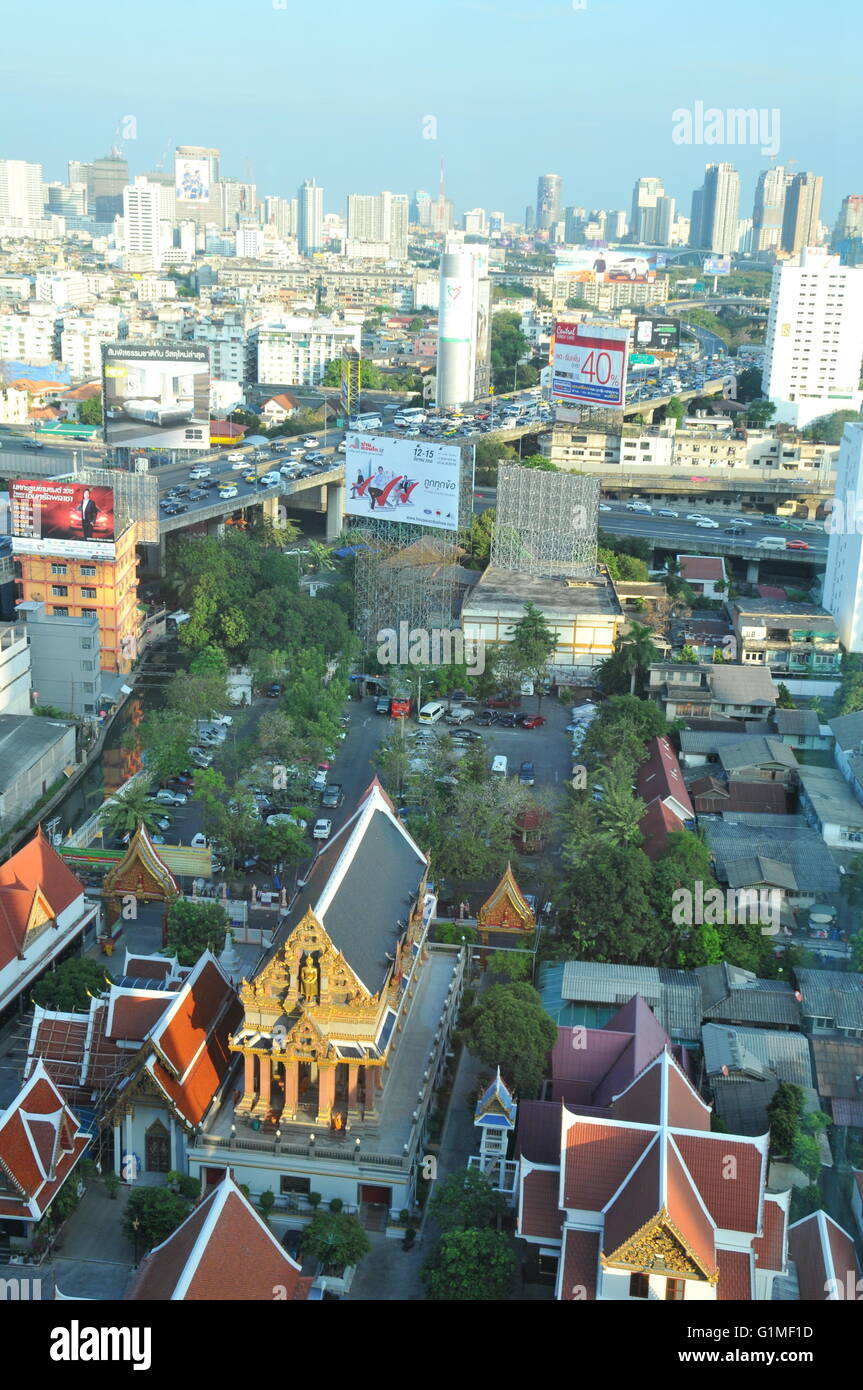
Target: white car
{"x": 202, "y": 471}
{"x": 319, "y": 781}
{"x": 240, "y": 463}
{"x": 696, "y": 516}
{"x": 169, "y": 798}
{"x": 296, "y": 453}
{"x": 666, "y": 511}
{"x": 269, "y": 480}
{"x": 604, "y": 507}
{"x": 323, "y": 829}
{"x": 236, "y": 457}
{"x": 284, "y": 818}
{"x": 223, "y": 719}
{"x": 310, "y": 442}
{"x": 707, "y": 525}
{"x": 229, "y": 492}
{"x": 640, "y": 507}
{"x": 742, "y": 521}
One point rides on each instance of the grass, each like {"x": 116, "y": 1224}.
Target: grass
{"x": 814, "y": 757}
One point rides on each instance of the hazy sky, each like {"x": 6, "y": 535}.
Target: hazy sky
{"x": 339, "y": 91}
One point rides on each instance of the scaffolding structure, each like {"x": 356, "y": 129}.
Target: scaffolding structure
{"x": 546, "y": 523}
{"x": 351, "y": 381}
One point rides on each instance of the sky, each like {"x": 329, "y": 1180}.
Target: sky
{"x": 349, "y": 93}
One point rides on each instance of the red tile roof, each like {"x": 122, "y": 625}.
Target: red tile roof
{"x": 36, "y": 867}
{"x": 735, "y": 1276}
{"x": 728, "y": 1173}
{"x": 190, "y": 1055}
{"x": 684, "y": 1107}
{"x": 597, "y": 1158}
{"x": 657, "y": 823}
{"x": 539, "y": 1214}
{"x": 580, "y": 1259}
{"x": 660, "y": 776}
{"x": 40, "y": 1143}
{"x": 825, "y": 1258}
{"x": 770, "y": 1247}
{"x": 222, "y": 1252}
{"x": 700, "y": 567}
{"x": 687, "y": 1212}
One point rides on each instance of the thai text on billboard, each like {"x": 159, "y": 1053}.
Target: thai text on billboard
{"x": 589, "y": 366}
{"x": 50, "y": 517}
{"x": 403, "y": 480}
{"x": 156, "y": 395}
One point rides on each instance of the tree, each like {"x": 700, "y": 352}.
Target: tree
{"x": 606, "y": 903}
{"x": 684, "y": 863}
{"x": 470, "y": 1266}
{"x": 69, "y": 988}
{"x": 508, "y": 347}
{"x": 783, "y": 1116}
{"x": 194, "y": 928}
{"x": 687, "y": 655}
{"x": 619, "y": 812}
{"x": 281, "y": 844}
{"x": 480, "y": 536}
{"x": 152, "y": 1214}
{"x": 676, "y": 409}
{"x": 164, "y": 739}
{"x": 209, "y": 659}
{"x": 759, "y": 414}
{"x": 637, "y": 651}
{"x": 538, "y": 461}
{"x": 508, "y": 1027}
{"x": 749, "y": 385}
{"x": 90, "y": 412}
{"x": 128, "y": 809}
{"x": 336, "y": 1239}
{"x": 784, "y": 699}
{"x": 532, "y": 645}
{"x": 466, "y": 1199}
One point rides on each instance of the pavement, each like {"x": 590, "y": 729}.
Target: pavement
{"x": 97, "y": 1260}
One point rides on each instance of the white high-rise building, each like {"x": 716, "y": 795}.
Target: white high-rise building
{"x": 294, "y": 351}
{"x": 142, "y": 222}
{"x": 464, "y": 312}
{"x": 843, "y": 578}
{"x": 380, "y": 218}
{"x": 310, "y": 231}
{"x": 20, "y": 189}
{"x": 814, "y": 341}
{"x": 769, "y": 209}
{"x": 714, "y": 210}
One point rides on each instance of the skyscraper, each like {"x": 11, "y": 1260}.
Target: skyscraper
{"x": 464, "y": 314}
{"x": 420, "y": 208}
{"x": 850, "y": 220}
{"x": 141, "y": 223}
{"x": 547, "y": 201}
{"x": 715, "y": 208}
{"x": 768, "y": 210}
{"x": 20, "y": 189}
{"x": 666, "y": 210}
{"x": 310, "y": 202}
{"x": 644, "y": 218}
{"x": 802, "y": 212}
{"x": 380, "y": 217}
{"x": 814, "y": 341}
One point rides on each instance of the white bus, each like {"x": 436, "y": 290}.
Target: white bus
{"x": 432, "y": 712}
{"x": 411, "y": 416}
{"x": 371, "y": 420}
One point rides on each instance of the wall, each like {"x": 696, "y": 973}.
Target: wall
{"x": 32, "y": 782}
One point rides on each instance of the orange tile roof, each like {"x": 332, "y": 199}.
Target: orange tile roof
{"x": 538, "y": 1211}
{"x": 190, "y": 1055}
{"x": 597, "y": 1159}
{"x": 36, "y": 866}
{"x": 770, "y": 1247}
{"x": 40, "y": 1143}
{"x": 580, "y": 1255}
{"x": 735, "y": 1276}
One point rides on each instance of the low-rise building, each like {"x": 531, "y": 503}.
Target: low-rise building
{"x": 797, "y": 638}
{"x": 704, "y": 573}
{"x": 702, "y": 690}
{"x": 584, "y": 613}
{"x": 65, "y": 660}
{"x": 763, "y": 852}
{"x": 830, "y": 806}
{"x": 847, "y": 730}
{"x": 802, "y": 729}
{"x": 15, "y": 669}
{"x": 41, "y": 1143}
{"x": 278, "y": 409}
{"x": 34, "y": 755}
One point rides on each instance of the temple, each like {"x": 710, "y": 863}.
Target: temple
{"x": 505, "y": 910}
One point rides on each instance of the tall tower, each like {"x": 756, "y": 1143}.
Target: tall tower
{"x": 768, "y": 210}
{"x": 802, "y": 212}
{"x": 643, "y": 222}
{"x": 142, "y": 222}
{"x": 463, "y": 359}
{"x": 547, "y": 201}
{"x": 310, "y": 199}
{"x": 715, "y": 210}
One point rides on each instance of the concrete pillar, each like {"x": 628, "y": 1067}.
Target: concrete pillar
{"x": 335, "y": 510}
{"x": 326, "y": 1092}
{"x": 752, "y": 571}
{"x": 353, "y": 1078}
{"x": 266, "y": 1070}
{"x": 248, "y": 1099}
{"x": 270, "y": 508}
{"x": 291, "y": 1072}
{"x": 371, "y": 1092}
{"x": 216, "y": 526}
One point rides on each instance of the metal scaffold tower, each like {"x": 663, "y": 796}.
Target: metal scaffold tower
{"x": 351, "y": 380}
{"x": 546, "y": 523}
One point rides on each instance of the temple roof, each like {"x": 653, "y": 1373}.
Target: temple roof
{"x": 142, "y": 858}
{"x": 506, "y": 908}
{"x": 35, "y": 885}
{"x": 496, "y": 1108}
{"x": 40, "y": 1143}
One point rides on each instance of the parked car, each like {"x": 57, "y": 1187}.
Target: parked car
{"x": 486, "y": 718}
{"x": 333, "y": 795}
{"x": 319, "y": 780}
{"x": 322, "y": 829}
{"x": 273, "y": 691}
{"x": 499, "y": 702}
{"x": 526, "y": 774}
{"x": 166, "y": 797}
{"x": 533, "y": 721}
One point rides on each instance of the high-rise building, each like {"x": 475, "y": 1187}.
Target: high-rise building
{"x": 573, "y": 225}
{"x": 142, "y": 223}
{"x": 310, "y": 230}
{"x": 802, "y": 212}
{"x": 768, "y": 210}
{"x": 666, "y": 210}
{"x": 496, "y": 222}
{"x": 20, "y": 189}
{"x": 644, "y": 219}
{"x": 464, "y": 313}
{"x": 715, "y": 208}
{"x": 476, "y": 222}
{"x": 814, "y": 340}
{"x": 283, "y": 214}
{"x": 529, "y": 220}
{"x": 196, "y": 177}
{"x": 547, "y": 201}
{"x": 843, "y": 577}
{"x": 380, "y": 218}
{"x": 420, "y": 209}
{"x": 850, "y": 220}
{"x": 67, "y": 200}
{"x": 236, "y": 200}
{"x": 106, "y": 178}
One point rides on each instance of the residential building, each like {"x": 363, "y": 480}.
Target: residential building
{"x": 381, "y": 217}
{"x": 715, "y": 210}
{"x": 588, "y": 994}
{"x": 769, "y": 209}
{"x": 704, "y": 573}
{"x": 27, "y": 338}
{"x": 739, "y": 999}
{"x": 278, "y": 409}
{"x": 20, "y": 189}
{"x": 548, "y": 191}
{"x": 702, "y": 690}
{"x": 783, "y": 853}
{"x": 849, "y": 224}
{"x": 660, "y": 785}
{"x": 142, "y": 224}
{"x": 634, "y": 1206}
{"x": 41, "y": 1143}
{"x": 294, "y": 351}
{"x": 645, "y": 217}
{"x": 802, "y": 212}
{"x": 65, "y": 659}
{"x": 814, "y": 342}
{"x": 843, "y": 577}
{"x": 743, "y": 1068}
{"x": 847, "y": 730}
{"x": 832, "y": 1002}
{"x": 717, "y": 796}
{"x": 44, "y": 910}
{"x": 15, "y": 669}
{"x": 831, "y": 808}
{"x": 464, "y": 326}
{"x": 14, "y": 406}
{"x": 802, "y": 729}
{"x": 787, "y": 637}
{"x": 310, "y": 226}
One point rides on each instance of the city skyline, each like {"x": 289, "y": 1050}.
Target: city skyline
{"x": 447, "y": 106}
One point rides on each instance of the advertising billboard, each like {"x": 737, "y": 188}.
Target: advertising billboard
{"x": 192, "y": 180}
{"x": 403, "y": 480}
{"x": 717, "y": 265}
{"x": 606, "y": 267}
{"x": 156, "y": 395}
{"x": 656, "y": 335}
{"x": 51, "y": 517}
{"x": 589, "y": 366}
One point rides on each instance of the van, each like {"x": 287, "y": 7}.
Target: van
{"x": 498, "y": 766}
{"x": 821, "y": 915}
{"x": 771, "y": 543}
{"x": 526, "y": 688}
{"x": 432, "y": 712}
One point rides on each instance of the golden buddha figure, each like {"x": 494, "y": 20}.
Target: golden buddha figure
{"x": 309, "y": 977}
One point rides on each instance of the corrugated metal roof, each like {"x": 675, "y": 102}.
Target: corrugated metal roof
{"x": 834, "y": 995}
{"x": 673, "y": 995}
{"x": 761, "y": 1050}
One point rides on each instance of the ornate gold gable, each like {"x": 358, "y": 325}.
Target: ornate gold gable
{"x": 142, "y": 873}
{"x": 307, "y": 973}
{"x": 506, "y": 909}
{"x": 41, "y": 914}
{"x": 659, "y": 1248}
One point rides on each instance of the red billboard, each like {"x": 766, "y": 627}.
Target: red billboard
{"x": 50, "y": 517}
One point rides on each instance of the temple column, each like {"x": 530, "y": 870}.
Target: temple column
{"x": 371, "y": 1093}
{"x": 353, "y": 1081}
{"x": 326, "y": 1092}
{"x": 248, "y": 1099}
{"x": 266, "y": 1070}
{"x": 291, "y": 1073}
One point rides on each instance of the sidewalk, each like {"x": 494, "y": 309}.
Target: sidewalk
{"x": 96, "y": 1259}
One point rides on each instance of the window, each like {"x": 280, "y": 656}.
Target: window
{"x": 674, "y": 1289}
{"x": 288, "y": 1183}
{"x": 87, "y": 686}
{"x": 58, "y": 569}
{"x": 87, "y": 571}
{"x": 60, "y": 612}
{"x": 86, "y": 665}
{"x": 88, "y": 613}
{"x": 639, "y": 1285}
{"x": 59, "y": 590}
{"x": 88, "y": 593}
{"x": 86, "y": 644}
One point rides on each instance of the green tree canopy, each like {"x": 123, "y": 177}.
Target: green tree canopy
{"x": 508, "y": 1027}
{"x": 337, "y": 1239}
{"x": 195, "y": 927}
{"x": 128, "y": 809}
{"x": 466, "y": 1199}
{"x": 470, "y": 1265}
{"x": 69, "y": 987}
{"x": 152, "y": 1214}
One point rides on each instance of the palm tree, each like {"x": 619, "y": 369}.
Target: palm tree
{"x": 127, "y": 810}
{"x": 637, "y": 651}
{"x": 620, "y": 810}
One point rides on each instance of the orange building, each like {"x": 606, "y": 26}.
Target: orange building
{"x": 73, "y": 586}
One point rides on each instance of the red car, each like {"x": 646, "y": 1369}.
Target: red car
{"x": 499, "y": 702}
{"x": 796, "y": 545}
{"x": 535, "y": 722}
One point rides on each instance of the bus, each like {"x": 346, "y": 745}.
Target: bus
{"x": 401, "y": 704}
{"x": 371, "y": 420}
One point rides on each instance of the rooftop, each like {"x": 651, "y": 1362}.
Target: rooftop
{"x": 783, "y": 839}
{"x": 507, "y": 593}
{"x": 24, "y": 739}
{"x": 831, "y": 798}
{"x": 832, "y": 994}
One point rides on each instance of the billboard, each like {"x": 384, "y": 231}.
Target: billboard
{"x": 192, "y": 180}
{"x": 51, "y": 517}
{"x": 403, "y": 480}
{"x": 656, "y": 335}
{"x": 156, "y": 395}
{"x": 717, "y": 265}
{"x": 589, "y": 366}
{"x": 600, "y": 267}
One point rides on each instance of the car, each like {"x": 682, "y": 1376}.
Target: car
{"x": 239, "y": 464}
{"x": 236, "y": 457}
{"x": 319, "y": 781}
{"x": 250, "y": 477}
{"x": 200, "y": 471}
{"x": 310, "y": 441}
{"x": 285, "y": 818}
{"x": 322, "y": 829}
{"x": 604, "y": 507}
{"x": 163, "y": 822}
{"x": 166, "y": 797}
{"x": 507, "y": 720}
{"x": 666, "y": 511}
{"x": 226, "y": 492}
{"x": 333, "y": 795}
{"x": 640, "y": 507}
{"x": 526, "y": 774}
{"x": 273, "y": 690}
{"x": 33, "y": 444}
{"x": 742, "y": 521}
{"x": 796, "y": 545}
{"x": 707, "y": 525}
{"x": 486, "y": 718}
{"x": 295, "y": 453}
{"x": 733, "y": 530}
{"x": 533, "y": 721}
{"x": 696, "y": 516}
{"x": 499, "y": 702}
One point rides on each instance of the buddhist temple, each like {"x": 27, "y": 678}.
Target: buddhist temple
{"x": 506, "y": 910}
{"x": 140, "y": 875}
